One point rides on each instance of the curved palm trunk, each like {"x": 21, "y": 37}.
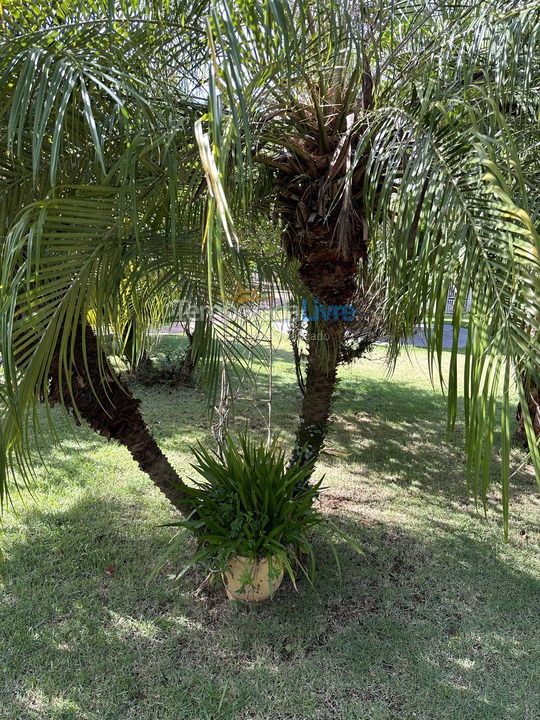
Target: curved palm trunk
{"x": 108, "y": 406}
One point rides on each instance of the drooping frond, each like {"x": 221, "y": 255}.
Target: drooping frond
{"x": 103, "y": 205}
{"x": 422, "y": 121}
{"x": 73, "y": 261}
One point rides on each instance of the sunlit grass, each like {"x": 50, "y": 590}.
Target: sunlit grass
{"x": 439, "y": 619}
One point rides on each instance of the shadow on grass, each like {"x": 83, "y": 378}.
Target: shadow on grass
{"x": 423, "y": 626}
{"x": 420, "y": 626}
{"x": 394, "y": 430}
{"x": 380, "y": 427}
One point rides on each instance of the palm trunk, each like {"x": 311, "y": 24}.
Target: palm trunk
{"x": 533, "y": 402}
{"x": 108, "y": 406}
{"x": 139, "y": 362}
{"x": 321, "y": 380}
{"x": 189, "y": 362}
{"x": 331, "y": 278}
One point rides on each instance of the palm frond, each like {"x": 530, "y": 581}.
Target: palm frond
{"x": 443, "y": 126}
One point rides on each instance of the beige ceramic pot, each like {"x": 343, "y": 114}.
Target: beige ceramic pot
{"x": 249, "y": 580}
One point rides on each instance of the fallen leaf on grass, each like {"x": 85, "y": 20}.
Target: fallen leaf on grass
{"x": 336, "y": 453}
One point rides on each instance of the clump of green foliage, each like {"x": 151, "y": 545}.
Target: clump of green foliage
{"x": 173, "y": 368}
{"x": 251, "y": 503}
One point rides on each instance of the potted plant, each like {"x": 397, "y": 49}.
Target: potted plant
{"x": 252, "y": 515}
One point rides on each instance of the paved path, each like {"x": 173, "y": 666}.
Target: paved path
{"x": 418, "y": 339}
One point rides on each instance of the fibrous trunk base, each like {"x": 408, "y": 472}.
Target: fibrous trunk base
{"x": 94, "y": 393}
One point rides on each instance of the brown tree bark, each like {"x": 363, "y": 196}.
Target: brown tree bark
{"x": 190, "y": 361}
{"x": 321, "y": 205}
{"x": 108, "y": 406}
{"x": 533, "y": 403}
{"x": 321, "y": 380}
{"x": 331, "y": 277}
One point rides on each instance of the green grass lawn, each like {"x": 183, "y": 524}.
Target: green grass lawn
{"x": 439, "y": 620}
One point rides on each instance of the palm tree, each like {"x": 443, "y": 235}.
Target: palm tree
{"x": 102, "y": 215}
{"x": 377, "y": 135}
{"x": 393, "y": 141}
{"x": 532, "y": 410}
